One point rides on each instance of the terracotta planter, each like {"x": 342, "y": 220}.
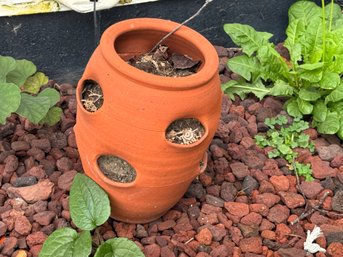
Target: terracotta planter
{"x": 138, "y": 107}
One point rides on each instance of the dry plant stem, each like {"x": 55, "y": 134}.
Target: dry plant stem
{"x": 181, "y": 24}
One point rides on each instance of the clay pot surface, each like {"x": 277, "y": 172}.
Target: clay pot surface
{"x": 138, "y": 107}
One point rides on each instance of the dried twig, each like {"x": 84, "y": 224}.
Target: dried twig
{"x": 180, "y": 25}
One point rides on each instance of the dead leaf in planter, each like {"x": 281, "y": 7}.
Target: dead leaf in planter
{"x": 183, "y": 62}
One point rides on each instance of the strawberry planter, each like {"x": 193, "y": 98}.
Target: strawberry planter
{"x": 130, "y": 128}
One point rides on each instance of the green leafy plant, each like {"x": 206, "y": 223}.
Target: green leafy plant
{"x": 311, "y": 78}
{"x": 20, "y": 92}
{"x": 283, "y": 139}
{"x": 89, "y": 208}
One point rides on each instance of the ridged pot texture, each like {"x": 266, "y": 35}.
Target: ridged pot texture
{"x": 138, "y": 107}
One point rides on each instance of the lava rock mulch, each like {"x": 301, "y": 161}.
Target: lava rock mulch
{"x": 243, "y": 205}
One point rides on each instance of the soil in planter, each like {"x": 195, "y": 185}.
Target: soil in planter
{"x": 92, "y": 97}
{"x": 116, "y": 169}
{"x": 164, "y": 63}
{"x": 185, "y": 131}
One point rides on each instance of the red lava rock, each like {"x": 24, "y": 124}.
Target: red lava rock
{"x": 166, "y": 252}
{"x": 36, "y": 238}
{"x": 278, "y": 214}
{"x": 240, "y": 170}
{"x": 337, "y": 161}
{"x": 152, "y": 250}
{"x": 318, "y": 219}
{"x": 22, "y": 225}
{"x": 43, "y": 144}
{"x": 44, "y": 218}
{"x": 292, "y": 200}
{"x": 335, "y": 249}
{"x": 11, "y": 164}
{"x": 328, "y": 153}
{"x": 311, "y": 132}
{"x": 66, "y": 179}
{"x": 9, "y": 246}
{"x": 259, "y": 208}
{"x": 282, "y": 231}
{"x": 311, "y": 188}
{"x": 266, "y": 187}
{"x": 268, "y": 234}
{"x": 166, "y": 225}
{"x": 125, "y": 230}
{"x": 34, "y": 250}
{"x": 280, "y": 183}
{"x": 40, "y": 191}
{"x": 252, "y": 245}
{"x": 252, "y": 218}
{"x": 267, "y": 199}
{"x": 204, "y": 236}
{"x": 20, "y": 146}
{"x": 291, "y": 252}
{"x": 321, "y": 169}
{"x": 337, "y": 201}
{"x": 237, "y": 209}
{"x": 236, "y": 234}
{"x": 3, "y": 228}
{"x": 64, "y": 164}
{"x": 36, "y": 153}
{"x": 205, "y": 219}
{"x": 37, "y": 171}
{"x": 9, "y": 217}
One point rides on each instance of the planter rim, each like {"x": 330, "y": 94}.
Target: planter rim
{"x": 207, "y": 71}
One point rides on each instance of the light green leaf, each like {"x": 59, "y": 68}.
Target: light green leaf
{"x": 311, "y": 66}
{"x": 294, "y": 32}
{"x": 7, "y": 64}
{"x": 319, "y": 111}
{"x": 330, "y": 80}
{"x": 34, "y": 108}
{"x": 312, "y": 41}
{"x": 331, "y": 125}
{"x": 336, "y": 95}
{"x": 65, "y": 242}
{"x": 309, "y": 94}
{"x": 34, "y": 83}
{"x": 281, "y": 88}
{"x": 305, "y": 10}
{"x": 118, "y": 247}
{"x": 23, "y": 70}
{"x": 336, "y": 66}
{"x": 242, "y": 88}
{"x": 9, "y": 99}
{"x": 293, "y": 108}
{"x": 52, "y": 94}
{"x": 247, "y": 37}
{"x": 89, "y": 204}
{"x": 243, "y": 65}
{"x": 52, "y": 117}
{"x": 304, "y": 106}
{"x": 336, "y": 11}
{"x": 312, "y": 76}
{"x": 340, "y": 131}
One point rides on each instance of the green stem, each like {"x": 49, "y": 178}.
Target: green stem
{"x": 324, "y": 29}
{"x": 331, "y": 14}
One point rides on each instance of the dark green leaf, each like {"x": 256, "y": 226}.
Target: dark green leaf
{"x": 243, "y": 65}
{"x": 304, "y": 106}
{"x": 34, "y": 108}
{"x": 23, "y": 70}
{"x": 52, "y": 94}
{"x": 340, "y": 131}
{"x": 310, "y": 94}
{"x": 34, "y": 83}
{"x": 331, "y": 124}
{"x": 118, "y": 247}
{"x": 89, "y": 204}
{"x": 312, "y": 76}
{"x": 7, "y": 64}
{"x": 319, "y": 111}
{"x": 330, "y": 80}
{"x": 247, "y": 37}
{"x": 65, "y": 242}
{"x": 336, "y": 95}
{"x": 305, "y": 10}
{"x": 292, "y": 108}
{"x": 9, "y": 99}
{"x": 52, "y": 117}
{"x": 281, "y": 88}
{"x": 242, "y": 88}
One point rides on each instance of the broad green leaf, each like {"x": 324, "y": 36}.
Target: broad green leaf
{"x": 247, "y": 37}
{"x": 336, "y": 11}
{"x": 89, "y": 204}
{"x": 330, "y": 80}
{"x": 336, "y": 66}
{"x": 34, "y": 108}
{"x": 331, "y": 125}
{"x": 340, "y": 131}
{"x": 243, "y": 65}
{"x": 311, "y": 66}
{"x": 312, "y": 41}
{"x": 310, "y": 94}
{"x": 312, "y": 76}
{"x": 336, "y": 95}
{"x": 304, "y": 106}
{"x": 52, "y": 117}
{"x": 34, "y": 83}
{"x": 52, "y": 94}
{"x": 118, "y": 247}
{"x": 319, "y": 111}
{"x": 9, "y": 100}
{"x": 336, "y": 106}
{"x": 293, "y": 108}
{"x": 305, "y": 10}
{"x": 7, "y": 64}
{"x": 294, "y": 31}
{"x": 241, "y": 89}
{"x": 281, "y": 88}
{"x": 23, "y": 70}
{"x": 284, "y": 149}
{"x": 65, "y": 242}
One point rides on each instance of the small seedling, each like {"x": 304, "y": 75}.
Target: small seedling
{"x": 20, "y": 92}
{"x": 89, "y": 208}
{"x": 283, "y": 139}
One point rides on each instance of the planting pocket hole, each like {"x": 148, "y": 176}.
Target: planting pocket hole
{"x": 185, "y": 131}
{"x": 116, "y": 169}
{"x": 92, "y": 97}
